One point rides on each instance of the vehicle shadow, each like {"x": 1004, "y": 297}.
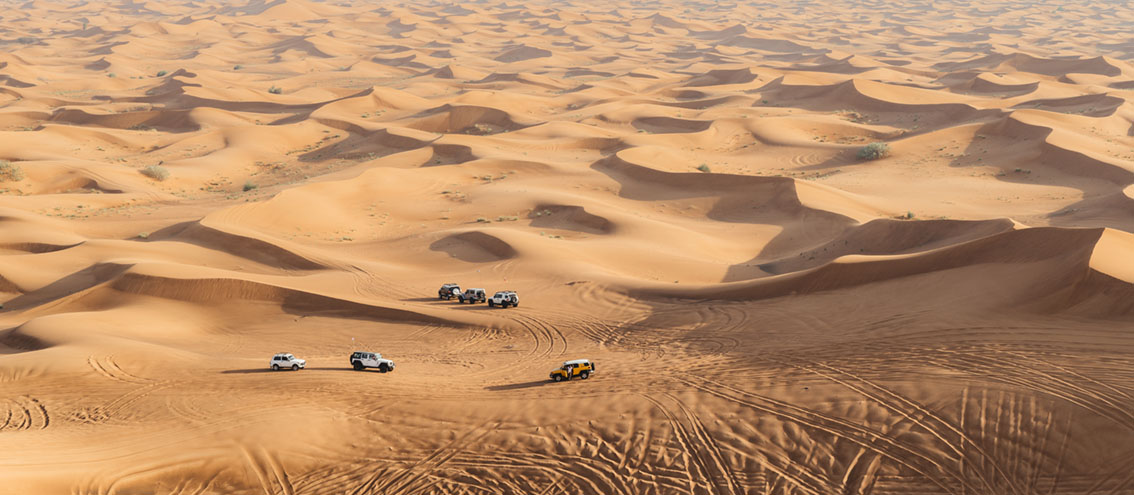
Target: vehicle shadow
{"x": 518, "y": 386}
{"x": 309, "y": 368}
{"x": 253, "y": 370}
{"x": 428, "y": 299}
{"x": 480, "y": 307}
{"x": 347, "y": 368}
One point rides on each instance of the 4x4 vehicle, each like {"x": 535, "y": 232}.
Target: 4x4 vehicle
{"x": 287, "y": 360}
{"x": 581, "y": 368}
{"x": 361, "y": 360}
{"x": 504, "y": 299}
{"x": 449, "y": 291}
{"x": 472, "y": 296}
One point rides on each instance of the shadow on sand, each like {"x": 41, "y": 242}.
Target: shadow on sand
{"x": 518, "y": 386}
{"x": 254, "y": 370}
{"x": 269, "y": 370}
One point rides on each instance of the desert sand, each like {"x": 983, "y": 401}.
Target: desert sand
{"x": 672, "y": 188}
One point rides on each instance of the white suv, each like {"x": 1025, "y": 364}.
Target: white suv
{"x": 472, "y": 296}
{"x": 504, "y": 299}
{"x": 287, "y": 360}
{"x": 361, "y": 360}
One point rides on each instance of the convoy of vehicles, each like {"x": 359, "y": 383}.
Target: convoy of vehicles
{"x": 361, "y": 360}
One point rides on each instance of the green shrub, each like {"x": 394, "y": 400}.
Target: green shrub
{"x": 162, "y": 73}
{"x": 704, "y": 168}
{"x": 237, "y": 67}
{"x": 10, "y": 172}
{"x": 156, "y": 172}
{"x": 874, "y": 151}
{"x": 274, "y": 90}
{"x": 248, "y": 186}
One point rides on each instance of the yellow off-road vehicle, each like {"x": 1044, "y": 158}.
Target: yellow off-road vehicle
{"x": 581, "y": 368}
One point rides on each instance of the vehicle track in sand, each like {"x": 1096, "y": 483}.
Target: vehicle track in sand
{"x": 268, "y": 469}
{"x": 702, "y": 450}
{"x": 409, "y": 480}
{"x": 107, "y": 366}
{"x": 1114, "y": 406}
{"x": 912, "y": 411}
{"x": 24, "y": 413}
{"x": 909, "y": 456}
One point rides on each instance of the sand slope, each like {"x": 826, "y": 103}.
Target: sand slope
{"x": 672, "y": 188}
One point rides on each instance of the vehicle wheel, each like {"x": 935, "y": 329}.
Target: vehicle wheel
{"x": 584, "y": 375}
{"x": 357, "y": 366}
{"x": 491, "y": 304}
{"x": 383, "y": 368}
{"x": 295, "y": 367}
{"x": 275, "y": 367}
{"x": 558, "y": 378}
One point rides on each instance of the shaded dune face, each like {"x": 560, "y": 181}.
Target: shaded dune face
{"x": 677, "y": 192}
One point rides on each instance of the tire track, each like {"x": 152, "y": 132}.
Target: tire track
{"x": 721, "y": 474}
{"x": 545, "y": 336}
{"x": 110, "y": 369}
{"x": 913, "y": 412}
{"x": 124, "y": 401}
{"x": 685, "y": 440}
{"x": 400, "y": 482}
{"x": 25, "y": 413}
{"x": 1034, "y": 379}
{"x": 902, "y": 454}
{"x": 607, "y": 472}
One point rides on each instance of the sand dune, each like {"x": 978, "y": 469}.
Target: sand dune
{"x": 676, "y": 192}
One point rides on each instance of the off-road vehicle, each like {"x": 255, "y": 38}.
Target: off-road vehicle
{"x": 581, "y": 368}
{"x": 286, "y": 360}
{"x": 361, "y": 360}
{"x": 504, "y": 299}
{"x": 472, "y": 296}
{"x": 449, "y": 291}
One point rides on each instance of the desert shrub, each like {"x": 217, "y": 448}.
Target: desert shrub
{"x": 162, "y": 73}
{"x": 112, "y": 75}
{"x": 237, "y": 67}
{"x": 156, "y": 172}
{"x": 10, "y": 171}
{"x": 248, "y": 186}
{"x": 275, "y": 90}
{"x": 704, "y": 168}
{"x": 874, "y": 151}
